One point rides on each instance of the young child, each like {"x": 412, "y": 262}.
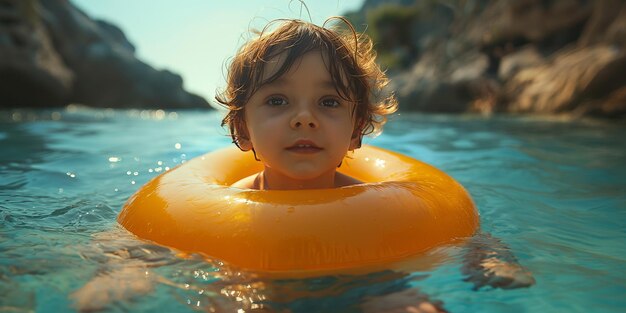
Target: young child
{"x": 300, "y": 97}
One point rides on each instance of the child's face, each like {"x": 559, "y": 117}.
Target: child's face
{"x": 298, "y": 124}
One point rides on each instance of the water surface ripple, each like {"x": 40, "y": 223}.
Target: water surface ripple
{"x": 553, "y": 191}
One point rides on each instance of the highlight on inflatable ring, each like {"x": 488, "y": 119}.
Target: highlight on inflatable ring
{"x": 404, "y": 208}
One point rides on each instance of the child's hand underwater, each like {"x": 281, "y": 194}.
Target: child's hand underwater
{"x": 500, "y": 274}
{"x": 489, "y": 262}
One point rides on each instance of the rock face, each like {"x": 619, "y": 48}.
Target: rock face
{"x": 52, "y": 54}
{"x": 547, "y": 57}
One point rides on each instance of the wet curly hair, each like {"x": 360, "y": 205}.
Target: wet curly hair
{"x": 355, "y": 74}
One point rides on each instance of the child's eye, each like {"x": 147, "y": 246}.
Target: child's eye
{"x": 276, "y": 101}
{"x": 330, "y": 103}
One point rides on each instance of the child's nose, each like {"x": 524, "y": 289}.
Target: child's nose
{"x": 303, "y": 118}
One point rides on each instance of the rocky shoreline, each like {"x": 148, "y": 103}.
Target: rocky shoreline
{"x": 53, "y": 54}
{"x": 487, "y": 56}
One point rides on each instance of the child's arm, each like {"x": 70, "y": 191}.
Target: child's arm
{"x": 405, "y": 301}
{"x": 124, "y": 270}
{"x": 489, "y": 262}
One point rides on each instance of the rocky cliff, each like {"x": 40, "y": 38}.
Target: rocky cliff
{"x": 536, "y": 56}
{"x": 52, "y": 54}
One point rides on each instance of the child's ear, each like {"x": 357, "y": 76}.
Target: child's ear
{"x": 243, "y": 143}
{"x": 242, "y": 139}
{"x": 357, "y": 137}
{"x": 355, "y": 142}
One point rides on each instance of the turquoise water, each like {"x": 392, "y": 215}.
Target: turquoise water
{"x": 553, "y": 191}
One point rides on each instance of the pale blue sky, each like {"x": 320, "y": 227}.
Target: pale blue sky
{"x": 195, "y": 37}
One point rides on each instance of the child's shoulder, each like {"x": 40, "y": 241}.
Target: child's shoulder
{"x": 342, "y": 180}
{"x": 247, "y": 183}
{"x": 252, "y": 181}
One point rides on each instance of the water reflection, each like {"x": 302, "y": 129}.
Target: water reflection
{"x": 128, "y": 269}
{"x": 552, "y": 190}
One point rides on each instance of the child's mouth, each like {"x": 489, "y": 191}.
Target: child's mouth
{"x": 304, "y": 146}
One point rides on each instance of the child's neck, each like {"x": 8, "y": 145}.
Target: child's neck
{"x": 273, "y": 180}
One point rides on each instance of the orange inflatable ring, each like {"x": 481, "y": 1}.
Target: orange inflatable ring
{"x": 405, "y": 207}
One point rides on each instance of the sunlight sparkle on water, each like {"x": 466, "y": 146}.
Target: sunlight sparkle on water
{"x": 540, "y": 186}
{"x": 159, "y": 114}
